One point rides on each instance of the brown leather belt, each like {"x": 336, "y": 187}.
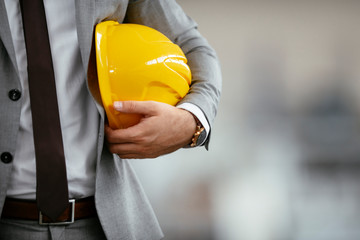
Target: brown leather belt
{"x": 27, "y": 210}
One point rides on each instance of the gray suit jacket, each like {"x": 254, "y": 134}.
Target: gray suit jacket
{"x": 123, "y": 209}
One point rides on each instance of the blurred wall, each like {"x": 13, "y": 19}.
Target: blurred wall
{"x": 285, "y": 149}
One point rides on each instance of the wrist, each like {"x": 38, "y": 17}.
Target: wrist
{"x": 198, "y": 115}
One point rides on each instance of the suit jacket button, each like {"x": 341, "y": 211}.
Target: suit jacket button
{"x": 6, "y": 157}
{"x": 14, "y": 94}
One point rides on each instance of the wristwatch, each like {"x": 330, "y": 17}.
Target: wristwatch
{"x": 199, "y": 135}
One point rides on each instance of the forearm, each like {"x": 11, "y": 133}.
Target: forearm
{"x": 206, "y": 84}
{"x": 169, "y": 18}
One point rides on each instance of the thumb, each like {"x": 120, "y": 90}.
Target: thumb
{"x": 137, "y": 107}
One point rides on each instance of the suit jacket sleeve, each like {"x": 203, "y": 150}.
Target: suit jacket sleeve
{"x": 169, "y": 18}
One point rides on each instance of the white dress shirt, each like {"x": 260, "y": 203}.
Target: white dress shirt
{"x": 78, "y": 115}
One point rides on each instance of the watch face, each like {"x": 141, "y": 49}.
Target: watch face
{"x": 201, "y": 138}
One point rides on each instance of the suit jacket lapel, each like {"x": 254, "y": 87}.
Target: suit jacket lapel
{"x": 5, "y": 34}
{"x": 85, "y": 23}
{"x": 85, "y": 18}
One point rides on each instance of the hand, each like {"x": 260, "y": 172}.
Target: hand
{"x": 163, "y": 129}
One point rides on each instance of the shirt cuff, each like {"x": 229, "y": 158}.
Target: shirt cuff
{"x": 199, "y": 114}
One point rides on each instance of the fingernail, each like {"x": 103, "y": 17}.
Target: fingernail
{"x": 118, "y": 106}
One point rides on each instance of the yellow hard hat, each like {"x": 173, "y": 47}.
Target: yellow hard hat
{"x": 135, "y": 62}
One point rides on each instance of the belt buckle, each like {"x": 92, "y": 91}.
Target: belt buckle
{"x": 66, "y": 222}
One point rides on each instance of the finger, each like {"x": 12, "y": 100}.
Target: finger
{"x": 122, "y": 148}
{"x": 137, "y": 107}
{"x": 127, "y": 135}
{"x": 129, "y": 150}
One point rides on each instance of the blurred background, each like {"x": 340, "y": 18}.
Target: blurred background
{"x": 284, "y": 159}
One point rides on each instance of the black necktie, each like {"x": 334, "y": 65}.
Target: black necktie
{"x": 51, "y": 189}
